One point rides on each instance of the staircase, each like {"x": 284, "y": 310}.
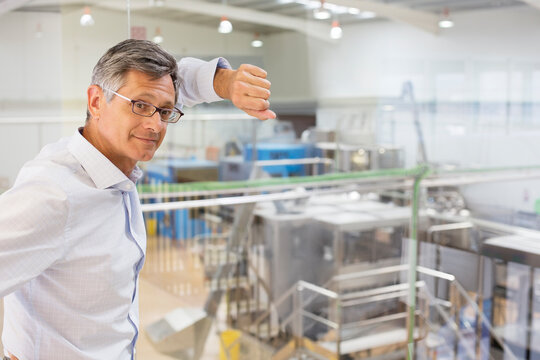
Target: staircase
{"x": 373, "y": 322}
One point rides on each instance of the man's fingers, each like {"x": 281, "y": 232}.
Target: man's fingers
{"x": 251, "y": 103}
{"x": 253, "y": 80}
{"x": 241, "y": 88}
{"x": 253, "y": 70}
{"x": 257, "y": 92}
{"x": 253, "y": 75}
{"x": 262, "y": 115}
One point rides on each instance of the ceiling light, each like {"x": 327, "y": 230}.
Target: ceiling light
{"x": 353, "y": 11}
{"x": 336, "y": 32}
{"x": 86, "y": 18}
{"x": 257, "y": 43}
{"x": 445, "y": 22}
{"x": 225, "y": 26}
{"x": 368, "y": 15}
{"x": 321, "y": 13}
{"x": 158, "y": 38}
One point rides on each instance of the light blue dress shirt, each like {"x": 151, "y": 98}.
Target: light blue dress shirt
{"x": 72, "y": 244}
{"x": 76, "y": 240}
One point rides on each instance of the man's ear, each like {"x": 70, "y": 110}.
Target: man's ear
{"x": 96, "y": 98}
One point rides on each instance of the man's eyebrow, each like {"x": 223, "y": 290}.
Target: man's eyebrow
{"x": 152, "y": 97}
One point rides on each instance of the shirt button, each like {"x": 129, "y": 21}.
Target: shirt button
{"x": 129, "y": 186}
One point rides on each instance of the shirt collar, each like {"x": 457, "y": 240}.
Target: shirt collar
{"x": 101, "y": 170}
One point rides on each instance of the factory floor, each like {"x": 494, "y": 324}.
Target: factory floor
{"x": 154, "y": 303}
{"x": 172, "y": 277}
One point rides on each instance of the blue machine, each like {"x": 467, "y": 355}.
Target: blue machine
{"x": 277, "y": 151}
{"x": 177, "y": 224}
{"x": 182, "y": 170}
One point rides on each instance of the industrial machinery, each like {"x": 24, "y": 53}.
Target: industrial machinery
{"x": 325, "y": 272}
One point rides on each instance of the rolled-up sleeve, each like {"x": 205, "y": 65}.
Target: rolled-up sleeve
{"x": 33, "y": 218}
{"x": 197, "y": 80}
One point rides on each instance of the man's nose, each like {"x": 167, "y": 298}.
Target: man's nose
{"x": 154, "y": 122}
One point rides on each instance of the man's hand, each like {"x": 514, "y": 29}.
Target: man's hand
{"x": 247, "y": 88}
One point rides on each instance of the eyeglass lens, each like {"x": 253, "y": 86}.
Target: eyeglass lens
{"x": 144, "y": 109}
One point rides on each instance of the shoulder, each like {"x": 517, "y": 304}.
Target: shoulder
{"x": 53, "y": 165}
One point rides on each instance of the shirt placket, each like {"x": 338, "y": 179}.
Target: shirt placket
{"x": 129, "y": 198}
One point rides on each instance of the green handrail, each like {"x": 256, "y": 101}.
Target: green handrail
{"x": 226, "y": 185}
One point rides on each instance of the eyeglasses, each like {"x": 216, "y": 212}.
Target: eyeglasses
{"x": 145, "y": 109}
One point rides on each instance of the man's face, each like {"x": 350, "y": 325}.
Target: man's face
{"x": 125, "y": 137}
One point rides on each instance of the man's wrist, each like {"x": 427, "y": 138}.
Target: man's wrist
{"x": 222, "y": 79}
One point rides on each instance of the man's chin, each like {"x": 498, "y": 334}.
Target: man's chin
{"x": 146, "y": 157}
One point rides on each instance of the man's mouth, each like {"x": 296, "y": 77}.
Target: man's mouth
{"x": 147, "y": 140}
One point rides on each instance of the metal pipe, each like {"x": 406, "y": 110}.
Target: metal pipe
{"x": 480, "y": 302}
{"x": 447, "y": 227}
{"x": 317, "y": 289}
{"x": 377, "y": 320}
{"x": 367, "y": 184}
{"x": 339, "y": 325}
{"x": 320, "y": 319}
{"x": 435, "y": 273}
{"x": 377, "y": 291}
{"x": 369, "y": 273}
{"x": 413, "y": 262}
{"x": 490, "y": 225}
{"x": 468, "y": 179}
{"x": 314, "y": 160}
{"x": 376, "y": 298}
{"x": 389, "y": 270}
{"x": 381, "y": 297}
{"x": 235, "y": 200}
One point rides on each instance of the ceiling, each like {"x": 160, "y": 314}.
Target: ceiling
{"x": 270, "y": 16}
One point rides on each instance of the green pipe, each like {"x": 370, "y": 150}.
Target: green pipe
{"x": 413, "y": 260}
{"x": 226, "y": 185}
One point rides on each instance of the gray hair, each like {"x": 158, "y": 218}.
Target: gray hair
{"x": 141, "y": 55}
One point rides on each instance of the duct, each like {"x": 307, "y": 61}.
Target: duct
{"x": 10, "y": 5}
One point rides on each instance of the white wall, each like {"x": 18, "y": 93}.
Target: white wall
{"x": 30, "y": 67}
{"x": 481, "y": 52}
{"x": 288, "y": 64}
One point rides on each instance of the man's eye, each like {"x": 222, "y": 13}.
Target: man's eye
{"x": 139, "y": 105}
{"x": 166, "y": 112}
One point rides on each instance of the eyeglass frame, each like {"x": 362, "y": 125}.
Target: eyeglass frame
{"x": 174, "y": 109}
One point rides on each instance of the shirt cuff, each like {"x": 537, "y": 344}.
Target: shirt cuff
{"x": 205, "y": 78}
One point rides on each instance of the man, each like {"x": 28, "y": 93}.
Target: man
{"x": 72, "y": 238}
